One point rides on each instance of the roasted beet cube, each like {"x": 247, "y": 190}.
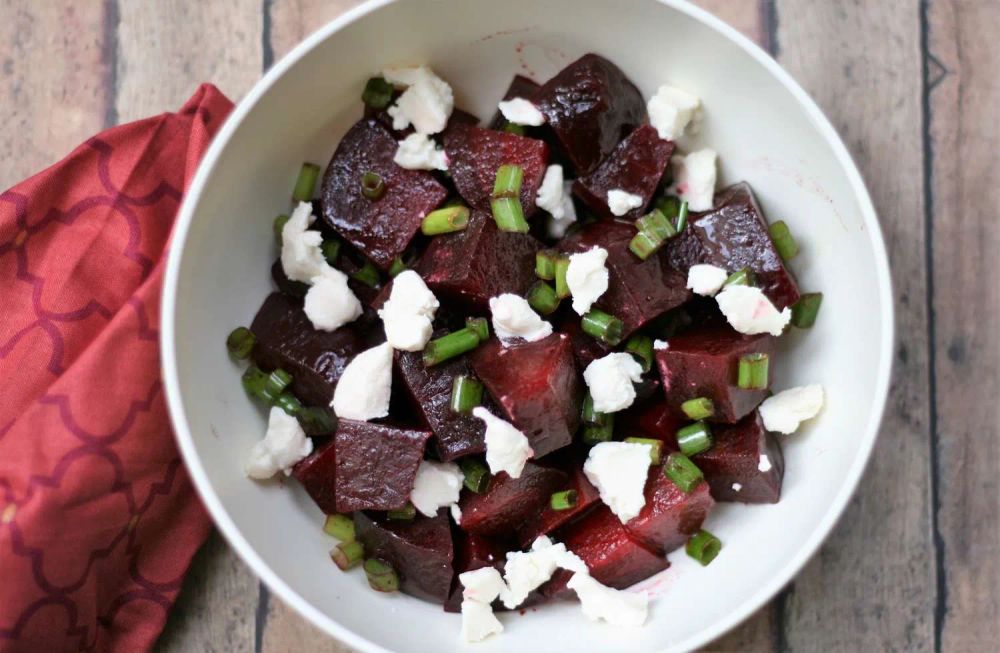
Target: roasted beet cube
{"x": 734, "y": 235}
{"x": 286, "y": 285}
{"x": 376, "y": 465}
{"x": 315, "y": 359}
{"x": 475, "y": 155}
{"x": 635, "y": 166}
{"x": 473, "y": 552}
{"x": 591, "y": 106}
{"x": 705, "y": 363}
{"x": 420, "y": 550}
{"x": 549, "y": 520}
{"x": 613, "y": 557}
{"x": 317, "y": 473}
{"x": 480, "y": 262}
{"x": 638, "y": 291}
{"x": 736, "y": 468}
{"x": 586, "y": 348}
{"x": 670, "y": 516}
{"x": 520, "y": 87}
{"x": 652, "y": 418}
{"x": 509, "y": 501}
{"x": 537, "y": 387}
{"x": 380, "y": 228}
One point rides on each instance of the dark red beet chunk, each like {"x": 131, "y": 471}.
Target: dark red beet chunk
{"x": 475, "y": 154}
{"x": 705, "y": 363}
{"x": 318, "y": 475}
{"x": 638, "y": 291}
{"x": 473, "y": 552}
{"x": 509, "y": 501}
{"x": 481, "y": 262}
{"x": 736, "y": 458}
{"x": 380, "y": 228}
{"x": 636, "y": 166}
{"x": 376, "y": 465}
{"x": 420, "y": 550}
{"x": 520, "y": 87}
{"x": 586, "y": 348}
{"x": 591, "y": 106}
{"x": 315, "y": 359}
{"x": 537, "y": 387}
{"x": 650, "y": 419}
{"x": 734, "y": 235}
{"x": 670, "y": 516}
{"x": 549, "y": 520}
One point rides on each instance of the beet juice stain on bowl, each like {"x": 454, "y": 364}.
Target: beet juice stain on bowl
{"x": 500, "y": 406}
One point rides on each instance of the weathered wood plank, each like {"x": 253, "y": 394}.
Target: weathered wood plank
{"x": 872, "y": 586}
{"x": 963, "y": 58}
{"x": 290, "y": 21}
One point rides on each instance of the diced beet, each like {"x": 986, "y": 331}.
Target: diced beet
{"x": 317, "y": 473}
{"x": 480, "y": 262}
{"x": 473, "y": 552}
{"x": 586, "y": 348}
{"x": 591, "y": 105}
{"x": 286, "y": 285}
{"x": 475, "y": 154}
{"x": 638, "y": 291}
{"x": 537, "y": 387}
{"x": 549, "y": 520}
{"x": 315, "y": 359}
{"x": 735, "y": 457}
{"x": 705, "y": 363}
{"x": 652, "y": 418}
{"x": 420, "y": 550}
{"x": 380, "y": 228}
{"x": 734, "y": 235}
{"x": 670, "y": 516}
{"x": 376, "y": 465}
{"x": 635, "y": 166}
{"x": 509, "y": 501}
{"x": 520, "y": 87}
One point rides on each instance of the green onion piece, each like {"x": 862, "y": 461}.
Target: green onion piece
{"x": 367, "y": 274}
{"x": 655, "y": 447}
{"x": 289, "y": 403}
{"x": 508, "y": 181}
{"x": 480, "y": 326}
{"x": 703, "y": 547}
{"x": 805, "y": 310}
{"x": 340, "y": 527}
{"x": 644, "y": 244}
{"x": 445, "y": 221}
{"x": 563, "y": 500}
{"x": 641, "y": 348}
{"x": 253, "y": 381}
{"x": 753, "y": 372}
{"x": 347, "y": 555}
{"x": 331, "y": 250}
{"x": 655, "y": 223}
{"x": 405, "y": 513}
{"x": 514, "y": 128}
{"x": 682, "y": 217}
{"x": 305, "y": 185}
{"x": 698, "y": 408}
{"x": 381, "y": 576}
{"x": 372, "y": 185}
{"x": 396, "y": 267}
{"x": 595, "y": 433}
{"x": 466, "y": 394}
{"x": 783, "y": 241}
{"x": 562, "y": 287}
{"x": 276, "y": 383}
{"x": 590, "y": 416}
{"x": 545, "y": 264}
{"x": 694, "y": 438}
{"x": 603, "y": 326}
{"x": 542, "y": 298}
{"x": 447, "y": 347}
{"x": 744, "y": 277}
{"x": 316, "y": 420}
{"x": 377, "y": 93}
{"x": 670, "y": 206}
{"x": 240, "y": 342}
{"x": 684, "y": 473}
{"x": 477, "y": 474}
{"x": 505, "y": 201}
{"x": 279, "y": 226}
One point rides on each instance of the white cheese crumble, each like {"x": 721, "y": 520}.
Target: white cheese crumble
{"x": 507, "y": 448}
{"x": 284, "y": 445}
{"x": 671, "y": 110}
{"x": 521, "y": 112}
{"x": 618, "y": 470}
{"x": 527, "y": 571}
{"x": 557, "y": 227}
{"x": 706, "y": 280}
{"x": 587, "y": 278}
{"x": 364, "y": 388}
{"x": 478, "y": 621}
{"x": 783, "y": 412}
{"x": 436, "y": 485}
{"x": 694, "y": 178}
{"x": 456, "y": 513}
{"x": 301, "y": 255}
{"x": 514, "y": 318}
{"x": 610, "y": 380}
{"x": 555, "y": 197}
{"x": 483, "y": 585}
{"x": 737, "y": 487}
{"x": 602, "y": 603}
{"x": 621, "y": 202}
{"x": 764, "y": 464}
{"x": 418, "y": 152}
{"x": 409, "y": 312}
{"x": 749, "y": 311}
{"x": 427, "y": 102}
{"x": 329, "y": 302}
{"x": 660, "y": 345}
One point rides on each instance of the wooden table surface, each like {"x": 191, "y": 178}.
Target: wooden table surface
{"x": 912, "y": 86}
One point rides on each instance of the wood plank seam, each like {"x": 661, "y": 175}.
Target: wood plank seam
{"x": 109, "y": 53}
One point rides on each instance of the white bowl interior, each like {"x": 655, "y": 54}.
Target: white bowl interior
{"x": 764, "y": 134}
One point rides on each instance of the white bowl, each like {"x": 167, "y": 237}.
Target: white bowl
{"x": 766, "y": 130}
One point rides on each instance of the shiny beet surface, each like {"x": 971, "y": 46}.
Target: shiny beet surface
{"x": 509, "y": 501}
{"x": 473, "y": 552}
{"x": 670, "y": 516}
{"x": 548, "y": 520}
{"x": 735, "y": 457}
{"x": 317, "y": 473}
{"x": 420, "y": 550}
{"x": 376, "y": 465}
{"x": 650, "y": 419}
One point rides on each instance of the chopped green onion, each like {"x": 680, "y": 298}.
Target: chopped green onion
{"x": 372, "y": 185}
{"x": 563, "y": 500}
{"x": 744, "y": 277}
{"x": 253, "y": 381}
{"x": 367, "y": 274}
{"x": 542, "y": 298}
{"x": 347, "y": 555}
{"x": 445, "y": 221}
{"x": 698, "y": 408}
{"x": 279, "y": 226}
{"x": 753, "y": 372}
{"x": 447, "y": 347}
{"x": 289, "y": 403}
{"x": 783, "y": 241}
{"x": 670, "y": 206}
{"x": 703, "y": 547}
{"x": 595, "y": 433}
{"x": 545, "y": 264}
{"x": 805, "y": 310}
{"x": 508, "y": 181}
{"x": 405, "y": 513}
{"x": 506, "y": 202}
{"x": 514, "y": 128}
{"x": 655, "y": 447}
{"x": 396, "y": 267}
{"x": 641, "y": 348}
{"x": 331, "y": 250}
{"x": 381, "y": 576}
{"x": 684, "y": 473}
{"x": 377, "y": 93}
{"x": 603, "y": 326}
{"x": 656, "y": 224}
{"x": 340, "y": 527}
{"x": 240, "y": 342}
{"x": 562, "y": 287}
{"x": 480, "y": 326}
{"x": 276, "y": 383}
{"x": 694, "y": 438}
{"x": 477, "y": 474}
{"x": 305, "y": 185}
{"x": 644, "y": 244}
{"x": 316, "y": 420}
{"x": 466, "y": 394}
{"x": 590, "y": 416}
{"x": 682, "y": 217}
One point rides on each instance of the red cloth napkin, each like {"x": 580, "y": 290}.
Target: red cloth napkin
{"x": 98, "y": 519}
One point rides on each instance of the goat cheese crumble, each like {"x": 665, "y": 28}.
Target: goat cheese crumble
{"x": 555, "y": 197}
{"x": 764, "y": 464}
{"x": 671, "y": 110}
{"x": 610, "y": 380}
{"x": 621, "y": 202}
{"x": 426, "y": 103}
{"x": 284, "y": 445}
{"x": 436, "y": 485}
{"x": 514, "y": 318}
{"x": 694, "y": 178}
{"x": 507, "y": 448}
{"x": 478, "y": 621}
{"x": 364, "y": 388}
{"x": 750, "y": 312}
{"x": 301, "y": 253}
{"x": 660, "y": 345}
{"x": 587, "y": 278}
{"x": 706, "y": 280}
{"x": 409, "y": 312}
{"x": 521, "y": 112}
{"x": 618, "y": 470}
{"x": 783, "y": 412}
{"x": 419, "y": 152}
{"x": 329, "y": 303}
{"x": 602, "y": 603}
{"x": 525, "y": 571}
